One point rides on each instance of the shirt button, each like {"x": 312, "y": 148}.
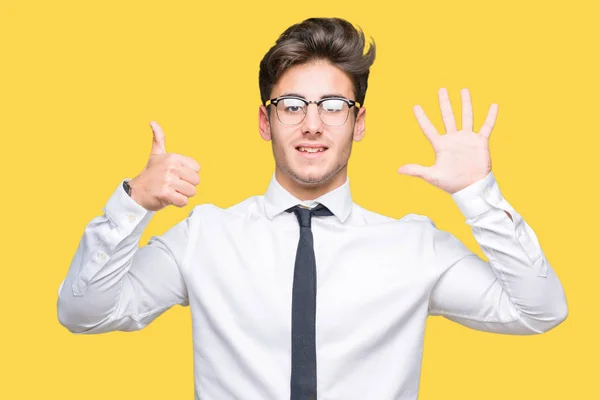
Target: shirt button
{"x": 101, "y": 255}
{"x": 486, "y": 191}
{"x": 131, "y": 217}
{"x": 519, "y": 231}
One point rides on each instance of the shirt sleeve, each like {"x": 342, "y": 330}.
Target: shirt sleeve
{"x": 516, "y": 291}
{"x": 112, "y": 283}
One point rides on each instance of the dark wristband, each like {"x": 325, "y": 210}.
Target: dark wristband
{"x": 127, "y": 188}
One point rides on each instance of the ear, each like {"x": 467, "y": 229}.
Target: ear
{"x": 359, "y": 125}
{"x": 264, "y": 126}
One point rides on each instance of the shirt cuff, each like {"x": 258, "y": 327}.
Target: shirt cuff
{"x": 125, "y": 212}
{"x": 479, "y": 197}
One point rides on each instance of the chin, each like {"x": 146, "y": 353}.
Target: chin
{"x": 310, "y": 178}
{"x": 310, "y": 181}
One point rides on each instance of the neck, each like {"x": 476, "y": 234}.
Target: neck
{"x": 306, "y": 191}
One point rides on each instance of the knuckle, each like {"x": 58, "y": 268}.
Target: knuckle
{"x": 171, "y": 178}
{"x": 164, "y": 192}
{"x": 171, "y": 159}
{"x": 172, "y": 168}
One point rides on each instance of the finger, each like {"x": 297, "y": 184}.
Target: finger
{"x": 183, "y": 187}
{"x": 467, "y": 111}
{"x": 447, "y": 114}
{"x": 188, "y": 175}
{"x": 414, "y": 170}
{"x": 158, "y": 142}
{"x": 178, "y": 199}
{"x": 490, "y": 121}
{"x": 425, "y": 124}
{"x": 188, "y": 162}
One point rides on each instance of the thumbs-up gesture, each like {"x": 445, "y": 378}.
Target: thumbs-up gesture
{"x": 167, "y": 178}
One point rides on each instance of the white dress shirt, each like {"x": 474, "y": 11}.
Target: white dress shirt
{"x": 378, "y": 279}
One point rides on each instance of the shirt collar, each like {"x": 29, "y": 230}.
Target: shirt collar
{"x": 277, "y": 199}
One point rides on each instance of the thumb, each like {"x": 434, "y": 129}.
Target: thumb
{"x": 158, "y": 142}
{"x": 415, "y": 170}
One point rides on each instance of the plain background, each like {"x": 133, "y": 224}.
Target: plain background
{"x": 80, "y": 81}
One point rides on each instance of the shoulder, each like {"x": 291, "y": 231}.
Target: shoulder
{"x": 372, "y": 217}
{"x": 415, "y": 225}
{"x": 244, "y": 209}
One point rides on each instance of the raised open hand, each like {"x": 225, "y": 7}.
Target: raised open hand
{"x": 462, "y": 157}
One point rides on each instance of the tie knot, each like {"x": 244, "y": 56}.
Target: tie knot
{"x": 304, "y": 214}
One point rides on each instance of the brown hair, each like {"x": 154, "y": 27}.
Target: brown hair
{"x": 332, "y": 39}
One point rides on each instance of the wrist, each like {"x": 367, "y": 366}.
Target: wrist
{"x": 134, "y": 191}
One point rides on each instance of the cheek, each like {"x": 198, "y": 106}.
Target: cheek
{"x": 280, "y": 147}
{"x": 280, "y": 140}
{"x": 345, "y": 144}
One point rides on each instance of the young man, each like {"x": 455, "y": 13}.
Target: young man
{"x": 301, "y": 293}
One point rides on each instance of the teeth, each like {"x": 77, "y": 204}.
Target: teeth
{"x": 311, "y": 149}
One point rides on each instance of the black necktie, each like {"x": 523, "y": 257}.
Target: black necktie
{"x": 303, "y": 383}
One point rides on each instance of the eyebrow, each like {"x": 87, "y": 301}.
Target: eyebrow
{"x": 325, "y": 96}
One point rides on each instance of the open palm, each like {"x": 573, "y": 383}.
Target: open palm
{"x": 462, "y": 157}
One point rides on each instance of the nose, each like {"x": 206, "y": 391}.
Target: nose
{"x": 312, "y": 123}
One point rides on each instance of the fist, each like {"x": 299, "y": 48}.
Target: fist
{"x": 167, "y": 178}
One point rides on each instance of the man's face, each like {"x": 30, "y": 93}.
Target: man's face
{"x": 303, "y": 173}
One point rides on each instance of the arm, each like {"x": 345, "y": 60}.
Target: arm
{"x": 112, "y": 284}
{"x": 517, "y": 291}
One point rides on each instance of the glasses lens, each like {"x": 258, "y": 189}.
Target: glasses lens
{"x": 334, "y": 112}
{"x": 291, "y": 111}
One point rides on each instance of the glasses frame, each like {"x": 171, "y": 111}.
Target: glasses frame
{"x": 351, "y": 103}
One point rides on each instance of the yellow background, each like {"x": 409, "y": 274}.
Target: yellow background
{"x": 80, "y": 80}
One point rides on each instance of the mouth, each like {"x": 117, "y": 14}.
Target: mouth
{"x": 311, "y": 151}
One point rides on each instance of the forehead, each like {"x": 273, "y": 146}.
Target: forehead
{"x": 313, "y": 80}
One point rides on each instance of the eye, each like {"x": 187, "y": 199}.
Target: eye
{"x": 333, "y": 106}
{"x": 291, "y": 106}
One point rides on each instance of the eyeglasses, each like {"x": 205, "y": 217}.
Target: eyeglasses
{"x": 291, "y": 110}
